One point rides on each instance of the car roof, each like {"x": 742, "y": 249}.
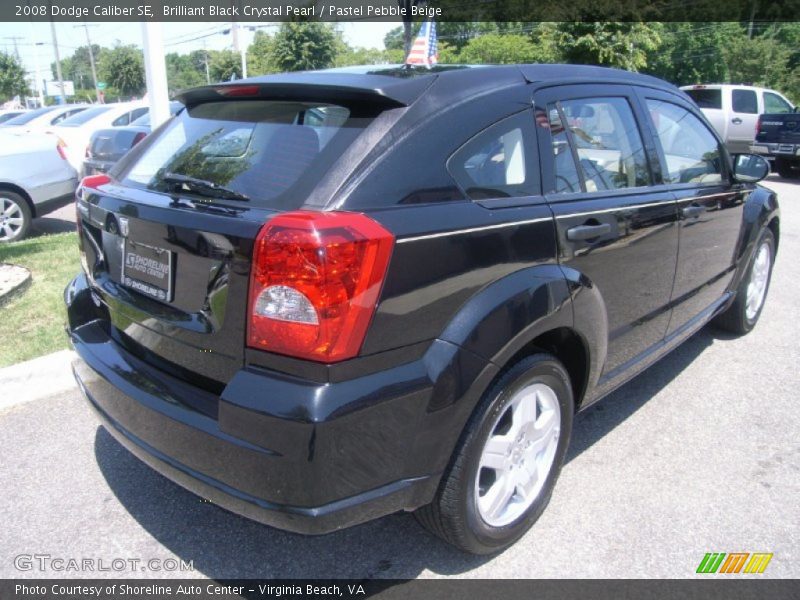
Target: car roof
{"x": 399, "y": 85}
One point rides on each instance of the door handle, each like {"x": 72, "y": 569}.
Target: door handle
{"x": 587, "y": 232}
{"x": 736, "y": 121}
{"x": 693, "y": 211}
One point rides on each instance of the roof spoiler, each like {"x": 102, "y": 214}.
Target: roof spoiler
{"x": 380, "y": 92}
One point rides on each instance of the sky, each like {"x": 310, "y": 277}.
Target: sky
{"x": 35, "y": 43}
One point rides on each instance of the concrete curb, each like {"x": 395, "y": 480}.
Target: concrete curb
{"x": 36, "y": 379}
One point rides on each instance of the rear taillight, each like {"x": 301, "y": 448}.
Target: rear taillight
{"x": 315, "y": 282}
{"x": 238, "y": 91}
{"x": 60, "y": 146}
{"x": 91, "y": 182}
{"x": 138, "y": 138}
{"x": 758, "y": 124}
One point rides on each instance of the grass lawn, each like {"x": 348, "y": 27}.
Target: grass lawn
{"x": 32, "y": 323}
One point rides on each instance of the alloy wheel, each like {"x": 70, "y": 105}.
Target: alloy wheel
{"x": 759, "y": 278}
{"x": 518, "y": 455}
{"x": 11, "y": 219}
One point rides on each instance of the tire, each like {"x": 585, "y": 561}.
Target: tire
{"x": 785, "y": 169}
{"x": 741, "y": 316}
{"x": 15, "y": 217}
{"x": 462, "y": 512}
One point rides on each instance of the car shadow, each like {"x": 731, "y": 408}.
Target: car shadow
{"x": 223, "y": 545}
{"x": 50, "y": 225}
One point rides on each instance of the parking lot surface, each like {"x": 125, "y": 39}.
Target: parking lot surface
{"x": 700, "y": 453}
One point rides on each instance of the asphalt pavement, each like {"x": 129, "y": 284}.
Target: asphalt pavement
{"x": 700, "y": 453}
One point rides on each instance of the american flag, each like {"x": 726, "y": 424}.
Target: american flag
{"x": 425, "y": 50}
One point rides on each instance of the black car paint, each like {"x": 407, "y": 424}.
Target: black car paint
{"x": 471, "y": 286}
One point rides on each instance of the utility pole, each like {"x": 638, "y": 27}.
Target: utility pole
{"x": 91, "y": 61}
{"x": 205, "y": 59}
{"x": 62, "y": 95}
{"x": 14, "y": 38}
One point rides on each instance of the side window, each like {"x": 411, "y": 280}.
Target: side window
{"x": 138, "y": 113}
{"x": 493, "y": 164}
{"x": 122, "y": 120}
{"x": 691, "y": 151}
{"x": 775, "y": 104}
{"x": 60, "y": 118}
{"x": 609, "y": 146}
{"x": 565, "y": 173}
{"x": 745, "y": 101}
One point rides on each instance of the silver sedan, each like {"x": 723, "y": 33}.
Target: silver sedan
{"x": 35, "y": 178}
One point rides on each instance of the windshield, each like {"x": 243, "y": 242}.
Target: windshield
{"x": 27, "y": 117}
{"x": 261, "y": 149}
{"x": 706, "y": 98}
{"x": 84, "y": 116}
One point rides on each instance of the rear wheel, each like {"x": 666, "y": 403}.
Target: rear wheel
{"x": 504, "y": 470}
{"x": 15, "y": 216}
{"x": 786, "y": 169}
{"x": 741, "y": 316}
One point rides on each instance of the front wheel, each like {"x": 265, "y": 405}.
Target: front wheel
{"x": 741, "y": 316}
{"x": 505, "y": 468}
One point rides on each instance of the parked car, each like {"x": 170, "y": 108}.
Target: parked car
{"x": 6, "y": 115}
{"x": 76, "y": 131}
{"x": 41, "y": 119}
{"x": 733, "y": 110}
{"x": 107, "y": 146}
{"x": 425, "y": 275}
{"x": 35, "y": 178}
{"x": 778, "y": 138}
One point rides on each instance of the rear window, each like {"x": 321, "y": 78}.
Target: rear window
{"x": 84, "y": 116}
{"x": 705, "y": 98}
{"x": 27, "y": 117}
{"x": 272, "y": 152}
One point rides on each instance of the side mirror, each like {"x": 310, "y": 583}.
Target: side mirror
{"x": 750, "y": 168}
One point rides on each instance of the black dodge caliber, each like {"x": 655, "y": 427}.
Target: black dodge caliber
{"x": 319, "y": 298}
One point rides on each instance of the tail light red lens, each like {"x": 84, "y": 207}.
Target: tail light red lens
{"x": 138, "y": 138}
{"x": 315, "y": 281}
{"x": 758, "y": 124}
{"x": 92, "y": 182}
{"x": 60, "y": 147}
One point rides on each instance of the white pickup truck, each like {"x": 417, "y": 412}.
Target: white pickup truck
{"x": 733, "y": 110}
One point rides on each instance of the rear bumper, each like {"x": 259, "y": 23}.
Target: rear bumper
{"x": 289, "y": 453}
{"x": 776, "y": 150}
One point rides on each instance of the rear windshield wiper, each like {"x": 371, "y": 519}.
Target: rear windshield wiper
{"x": 204, "y": 187}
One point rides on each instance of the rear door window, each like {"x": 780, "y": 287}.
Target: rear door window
{"x": 260, "y": 149}
{"x": 609, "y": 146}
{"x": 745, "y": 101}
{"x": 706, "y": 98}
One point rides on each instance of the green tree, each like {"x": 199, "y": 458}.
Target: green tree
{"x": 498, "y": 49}
{"x": 305, "y": 46}
{"x": 224, "y": 65}
{"x": 761, "y": 61}
{"x": 259, "y": 55}
{"x": 692, "y": 52}
{"x": 360, "y": 56}
{"x": 182, "y": 72}
{"x": 613, "y": 44}
{"x": 12, "y": 77}
{"x": 123, "y": 68}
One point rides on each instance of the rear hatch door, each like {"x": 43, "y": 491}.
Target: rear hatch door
{"x": 168, "y": 241}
